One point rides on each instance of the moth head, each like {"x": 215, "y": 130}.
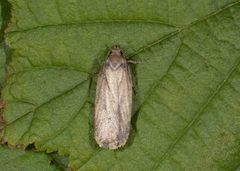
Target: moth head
{"x": 115, "y": 57}
{"x": 116, "y": 50}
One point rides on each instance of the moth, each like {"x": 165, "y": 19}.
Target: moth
{"x": 113, "y": 103}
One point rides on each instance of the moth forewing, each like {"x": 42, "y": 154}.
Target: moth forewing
{"x": 113, "y": 103}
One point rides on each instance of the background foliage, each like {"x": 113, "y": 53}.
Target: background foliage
{"x": 186, "y": 104}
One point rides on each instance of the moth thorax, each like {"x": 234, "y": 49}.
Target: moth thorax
{"x": 115, "y": 59}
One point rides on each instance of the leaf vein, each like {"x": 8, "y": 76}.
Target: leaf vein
{"x": 168, "y": 36}
{"x": 39, "y": 106}
{"x": 151, "y": 91}
{"x": 197, "y": 116}
{"x": 94, "y": 22}
{"x": 49, "y": 68}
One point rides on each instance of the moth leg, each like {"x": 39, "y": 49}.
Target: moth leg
{"x": 134, "y": 62}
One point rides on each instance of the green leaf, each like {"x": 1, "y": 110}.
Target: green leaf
{"x": 186, "y": 108}
{"x": 61, "y": 161}
{"x": 2, "y": 54}
{"x": 15, "y": 159}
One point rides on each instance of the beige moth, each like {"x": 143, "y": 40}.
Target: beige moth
{"x": 113, "y": 103}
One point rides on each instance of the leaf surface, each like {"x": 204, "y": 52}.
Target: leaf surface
{"x": 15, "y": 159}
{"x": 186, "y": 110}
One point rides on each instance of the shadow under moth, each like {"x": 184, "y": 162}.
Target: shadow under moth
{"x": 113, "y": 103}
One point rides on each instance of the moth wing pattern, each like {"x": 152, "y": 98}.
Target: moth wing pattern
{"x": 113, "y": 107}
{"x": 125, "y": 98}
